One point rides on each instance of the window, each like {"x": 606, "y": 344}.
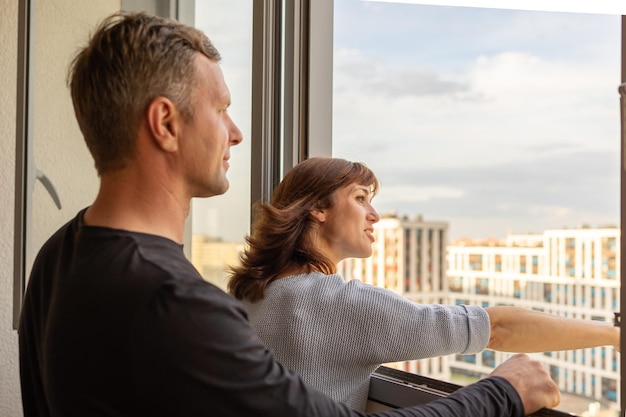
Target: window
{"x": 219, "y": 224}
{"x": 496, "y": 122}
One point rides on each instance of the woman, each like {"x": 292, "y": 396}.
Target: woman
{"x": 336, "y": 333}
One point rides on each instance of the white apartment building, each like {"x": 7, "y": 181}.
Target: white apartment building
{"x": 568, "y": 272}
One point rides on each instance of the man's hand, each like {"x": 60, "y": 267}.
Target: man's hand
{"x": 533, "y": 384}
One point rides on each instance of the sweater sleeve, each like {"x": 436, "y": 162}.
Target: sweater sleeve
{"x": 394, "y": 328}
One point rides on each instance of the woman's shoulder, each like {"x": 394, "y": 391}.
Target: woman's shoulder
{"x": 305, "y": 281}
{"x": 328, "y": 287}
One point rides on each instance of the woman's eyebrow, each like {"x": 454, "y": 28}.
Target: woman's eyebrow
{"x": 364, "y": 188}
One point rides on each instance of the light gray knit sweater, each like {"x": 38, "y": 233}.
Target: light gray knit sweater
{"x": 336, "y": 333}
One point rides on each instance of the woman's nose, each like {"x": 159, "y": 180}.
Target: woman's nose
{"x": 373, "y": 216}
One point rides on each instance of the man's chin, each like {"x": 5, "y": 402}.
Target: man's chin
{"x": 214, "y": 191}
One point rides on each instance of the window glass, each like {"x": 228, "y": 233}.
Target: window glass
{"x": 495, "y": 135}
{"x": 220, "y": 223}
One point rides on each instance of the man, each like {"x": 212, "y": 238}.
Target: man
{"x": 116, "y": 321}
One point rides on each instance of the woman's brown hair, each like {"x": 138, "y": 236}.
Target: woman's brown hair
{"x": 278, "y": 240}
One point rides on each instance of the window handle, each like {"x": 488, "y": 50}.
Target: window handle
{"x": 49, "y": 187}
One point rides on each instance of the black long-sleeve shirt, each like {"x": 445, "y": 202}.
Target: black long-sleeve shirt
{"x": 118, "y": 323}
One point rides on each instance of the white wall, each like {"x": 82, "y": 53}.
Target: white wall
{"x": 61, "y": 27}
{"x": 10, "y": 401}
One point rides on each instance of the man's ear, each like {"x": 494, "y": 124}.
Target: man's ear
{"x": 163, "y": 119}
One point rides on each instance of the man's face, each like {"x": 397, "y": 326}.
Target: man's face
{"x": 208, "y": 136}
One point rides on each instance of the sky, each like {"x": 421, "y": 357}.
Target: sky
{"x": 495, "y": 121}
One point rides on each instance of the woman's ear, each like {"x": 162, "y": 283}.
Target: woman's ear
{"x": 163, "y": 119}
{"x": 318, "y": 214}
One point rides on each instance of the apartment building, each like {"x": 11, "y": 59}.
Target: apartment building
{"x": 567, "y": 272}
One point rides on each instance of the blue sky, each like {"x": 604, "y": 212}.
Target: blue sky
{"x": 496, "y": 121}
{"x": 493, "y": 120}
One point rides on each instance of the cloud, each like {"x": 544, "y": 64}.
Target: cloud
{"x": 509, "y": 104}
{"x": 561, "y": 190}
{"x": 355, "y": 71}
{"x": 399, "y": 194}
{"x": 416, "y": 82}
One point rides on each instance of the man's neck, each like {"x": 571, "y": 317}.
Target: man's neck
{"x": 150, "y": 208}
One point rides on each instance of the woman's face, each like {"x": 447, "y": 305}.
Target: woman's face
{"x": 346, "y": 229}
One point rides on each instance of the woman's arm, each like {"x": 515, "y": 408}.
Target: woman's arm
{"x": 516, "y": 329}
